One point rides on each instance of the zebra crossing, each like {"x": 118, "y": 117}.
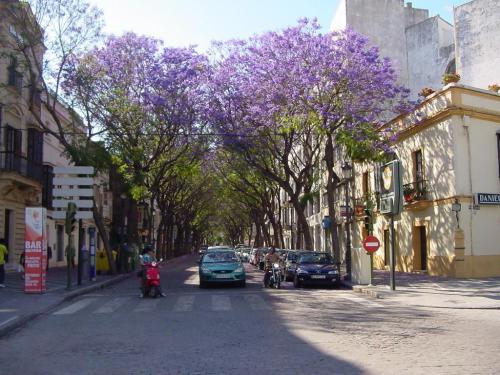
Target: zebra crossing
{"x": 184, "y": 303}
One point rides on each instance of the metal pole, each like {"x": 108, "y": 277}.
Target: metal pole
{"x": 348, "y": 234}
{"x": 393, "y": 252}
{"x": 371, "y": 269}
{"x": 92, "y": 270}
{"x": 80, "y": 244}
{"x": 69, "y": 256}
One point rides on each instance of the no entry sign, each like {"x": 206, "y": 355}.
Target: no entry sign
{"x": 371, "y": 244}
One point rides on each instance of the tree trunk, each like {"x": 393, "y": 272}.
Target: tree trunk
{"x": 105, "y": 240}
{"x": 330, "y": 190}
{"x": 302, "y": 226}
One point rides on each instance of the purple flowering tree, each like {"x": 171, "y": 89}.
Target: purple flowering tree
{"x": 144, "y": 99}
{"x": 283, "y": 100}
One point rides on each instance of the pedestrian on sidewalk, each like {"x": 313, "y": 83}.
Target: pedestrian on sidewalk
{"x": 49, "y": 256}
{"x": 22, "y": 263}
{"x": 4, "y": 252}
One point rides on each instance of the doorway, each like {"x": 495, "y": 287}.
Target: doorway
{"x": 420, "y": 248}
{"x": 7, "y": 230}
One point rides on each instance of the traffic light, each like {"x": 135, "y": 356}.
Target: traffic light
{"x": 369, "y": 220}
{"x": 70, "y": 218}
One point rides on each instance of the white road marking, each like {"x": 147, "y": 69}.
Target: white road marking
{"x": 221, "y": 303}
{"x": 147, "y": 305}
{"x": 8, "y": 320}
{"x": 256, "y": 302}
{"x": 111, "y": 306}
{"x": 71, "y": 309}
{"x": 361, "y": 301}
{"x": 192, "y": 280}
{"x": 184, "y": 303}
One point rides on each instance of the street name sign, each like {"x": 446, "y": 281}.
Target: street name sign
{"x": 487, "y": 198}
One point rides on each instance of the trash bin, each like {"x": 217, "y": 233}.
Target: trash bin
{"x": 102, "y": 264}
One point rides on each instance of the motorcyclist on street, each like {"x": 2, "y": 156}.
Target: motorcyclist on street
{"x": 270, "y": 258}
{"x": 147, "y": 257}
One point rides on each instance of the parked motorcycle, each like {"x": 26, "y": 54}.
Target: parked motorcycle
{"x": 273, "y": 278}
{"x": 151, "y": 279}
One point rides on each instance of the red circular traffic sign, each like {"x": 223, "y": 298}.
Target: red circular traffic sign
{"x": 371, "y": 244}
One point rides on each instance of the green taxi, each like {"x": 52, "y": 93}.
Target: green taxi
{"x": 221, "y": 267}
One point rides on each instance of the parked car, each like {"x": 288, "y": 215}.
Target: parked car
{"x": 254, "y": 257}
{"x": 315, "y": 268}
{"x": 282, "y": 253}
{"x": 262, "y": 254}
{"x": 221, "y": 267}
{"x": 245, "y": 253}
{"x": 290, "y": 264}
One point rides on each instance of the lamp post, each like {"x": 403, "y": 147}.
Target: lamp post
{"x": 121, "y": 257}
{"x": 347, "y": 173}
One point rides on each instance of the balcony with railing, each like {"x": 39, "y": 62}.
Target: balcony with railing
{"x": 20, "y": 165}
{"x": 416, "y": 191}
{"x": 366, "y": 202}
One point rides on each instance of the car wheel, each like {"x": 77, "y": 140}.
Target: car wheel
{"x": 243, "y": 283}
{"x": 296, "y": 282}
{"x": 203, "y": 285}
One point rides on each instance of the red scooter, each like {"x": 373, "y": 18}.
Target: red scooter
{"x": 151, "y": 279}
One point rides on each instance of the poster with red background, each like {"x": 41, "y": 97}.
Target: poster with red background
{"x": 35, "y": 249}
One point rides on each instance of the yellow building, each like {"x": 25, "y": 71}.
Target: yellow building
{"x": 449, "y": 147}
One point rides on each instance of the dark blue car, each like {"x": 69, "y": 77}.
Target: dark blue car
{"x": 316, "y": 269}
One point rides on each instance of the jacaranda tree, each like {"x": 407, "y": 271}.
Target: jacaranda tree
{"x": 287, "y": 97}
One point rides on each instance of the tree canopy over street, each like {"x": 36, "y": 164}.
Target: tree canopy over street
{"x": 217, "y": 142}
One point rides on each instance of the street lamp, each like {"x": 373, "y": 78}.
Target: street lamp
{"x": 347, "y": 173}
{"x": 121, "y": 254}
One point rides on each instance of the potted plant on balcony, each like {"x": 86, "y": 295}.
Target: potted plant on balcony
{"x": 426, "y": 91}
{"x": 450, "y": 78}
{"x": 409, "y": 192}
{"x": 494, "y": 87}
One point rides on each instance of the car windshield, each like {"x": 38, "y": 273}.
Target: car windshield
{"x": 220, "y": 257}
{"x": 315, "y": 259}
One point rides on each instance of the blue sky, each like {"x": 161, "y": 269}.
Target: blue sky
{"x": 198, "y": 22}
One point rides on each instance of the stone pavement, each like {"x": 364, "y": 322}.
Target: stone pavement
{"x": 17, "y": 308}
{"x": 421, "y": 290}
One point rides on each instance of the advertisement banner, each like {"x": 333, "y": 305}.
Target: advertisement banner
{"x": 35, "y": 249}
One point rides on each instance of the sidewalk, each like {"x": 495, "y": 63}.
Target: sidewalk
{"x": 17, "y": 308}
{"x": 421, "y": 290}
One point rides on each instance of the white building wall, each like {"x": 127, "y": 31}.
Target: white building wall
{"x": 430, "y": 49}
{"x": 477, "y": 39}
{"x": 384, "y": 23}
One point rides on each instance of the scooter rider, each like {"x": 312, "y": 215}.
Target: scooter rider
{"x": 270, "y": 258}
{"x": 148, "y": 257}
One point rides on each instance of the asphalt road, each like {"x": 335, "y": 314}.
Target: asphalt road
{"x": 249, "y": 331}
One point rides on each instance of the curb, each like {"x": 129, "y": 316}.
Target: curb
{"x": 372, "y": 292}
{"x": 24, "y": 319}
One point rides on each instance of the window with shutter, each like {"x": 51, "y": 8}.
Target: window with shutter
{"x": 35, "y": 154}
{"x": 48, "y": 175}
